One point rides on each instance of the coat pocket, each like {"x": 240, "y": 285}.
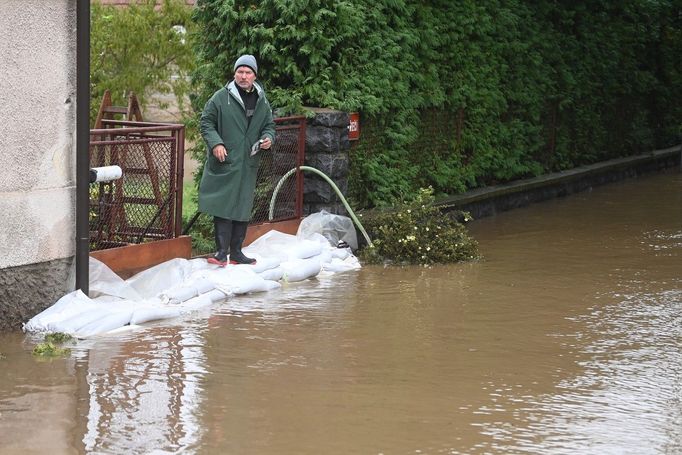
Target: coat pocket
{"x": 216, "y": 167}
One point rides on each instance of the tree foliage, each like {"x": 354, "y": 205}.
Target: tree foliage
{"x": 142, "y": 49}
{"x": 513, "y": 88}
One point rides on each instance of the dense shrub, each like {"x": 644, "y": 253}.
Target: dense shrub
{"x": 417, "y": 232}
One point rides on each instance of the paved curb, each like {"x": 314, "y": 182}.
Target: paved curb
{"x": 488, "y": 201}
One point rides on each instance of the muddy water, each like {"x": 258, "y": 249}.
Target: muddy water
{"x": 565, "y": 339}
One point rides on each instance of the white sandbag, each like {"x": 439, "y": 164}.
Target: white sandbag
{"x": 234, "y": 279}
{"x": 275, "y": 274}
{"x": 262, "y": 263}
{"x": 304, "y": 249}
{"x": 157, "y": 279}
{"x": 333, "y": 227}
{"x": 103, "y": 281}
{"x": 244, "y": 284}
{"x": 66, "y": 307}
{"x": 193, "y": 286}
{"x": 196, "y": 303}
{"x": 318, "y": 238}
{"x": 301, "y": 269}
{"x": 205, "y": 281}
{"x": 216, "y": 295}
{"x": 197, "y": 264}
{"x": 142, "y": 315}
{"x": 272, "y": 244}
{"x": 338, "y": 265}
{"x": 179, "y": 294}
{"x": 112, "y": 321}
{"x": 72, "y": 324}
{"x": 325, "y": 256}
{"x": 340, "y": 253}
{"x": 284, "y": 247}
{"x": 203, "y": 285}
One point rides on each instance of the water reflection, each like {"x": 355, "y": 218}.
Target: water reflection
{"x": 144, "y": 392}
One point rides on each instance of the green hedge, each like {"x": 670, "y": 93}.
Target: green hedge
{"x": 460, "y": 94}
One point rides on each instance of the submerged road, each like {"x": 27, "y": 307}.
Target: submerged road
{"x": 565, "y": 338}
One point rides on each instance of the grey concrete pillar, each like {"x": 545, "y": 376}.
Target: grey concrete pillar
{"x": 327, "y": 149}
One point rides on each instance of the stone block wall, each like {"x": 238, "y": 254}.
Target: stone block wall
{"x": 327, "y": 149}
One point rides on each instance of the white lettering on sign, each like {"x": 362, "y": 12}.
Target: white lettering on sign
{"x": 353, "y": 126}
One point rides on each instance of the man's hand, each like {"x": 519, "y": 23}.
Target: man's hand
{"x": 266, "y": 143}
{"x": 220, "y": 152}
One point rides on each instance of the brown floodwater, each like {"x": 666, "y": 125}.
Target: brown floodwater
{"x": 566, "y": 338}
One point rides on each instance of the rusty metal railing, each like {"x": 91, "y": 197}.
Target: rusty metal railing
{"x": 146, "y": 203}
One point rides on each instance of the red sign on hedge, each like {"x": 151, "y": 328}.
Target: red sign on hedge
{"x": 354, "y": 126}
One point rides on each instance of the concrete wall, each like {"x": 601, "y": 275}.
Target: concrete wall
{"x": 37, "y": 155}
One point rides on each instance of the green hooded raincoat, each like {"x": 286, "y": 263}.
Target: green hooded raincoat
{"x": 227, "y": 189}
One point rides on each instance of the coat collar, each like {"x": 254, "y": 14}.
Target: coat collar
{"x": 232, "y": 88}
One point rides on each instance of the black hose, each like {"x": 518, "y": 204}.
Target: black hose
{"x": 191, "y": 222}
{"x": 156, "y": 215}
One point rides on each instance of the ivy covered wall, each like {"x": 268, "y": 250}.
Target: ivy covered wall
{"x": 461, "y": 94}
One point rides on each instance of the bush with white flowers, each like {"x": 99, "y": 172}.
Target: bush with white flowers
{"x": 417, "y": 232}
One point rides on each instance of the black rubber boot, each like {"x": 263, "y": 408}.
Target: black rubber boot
{"x": 238, "y": 236}
{"x": 223, "y": 234}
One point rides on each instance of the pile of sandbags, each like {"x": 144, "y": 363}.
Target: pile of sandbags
{"x": 179, "y": 287}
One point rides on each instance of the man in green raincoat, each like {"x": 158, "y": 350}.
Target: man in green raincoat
{"x": 237, "y": 126}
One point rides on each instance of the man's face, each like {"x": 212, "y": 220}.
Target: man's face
{"x": 244, "y": 77}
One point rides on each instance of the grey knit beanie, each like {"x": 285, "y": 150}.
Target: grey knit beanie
{"x": 247, "y": 60}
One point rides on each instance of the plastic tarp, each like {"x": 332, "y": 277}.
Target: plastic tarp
{"x": 334, "y": 228}
{"x": 180, "y": 287}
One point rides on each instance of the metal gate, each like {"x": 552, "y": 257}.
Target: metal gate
{"x": 146, "y": 203}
